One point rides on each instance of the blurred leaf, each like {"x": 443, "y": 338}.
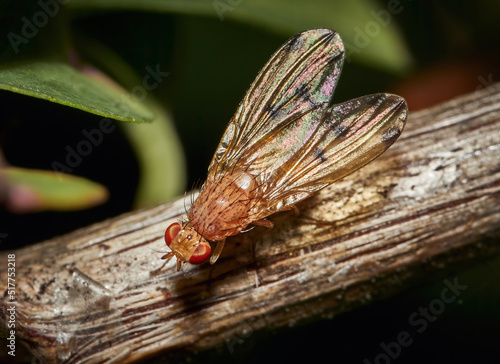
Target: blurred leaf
{"x": 60, "y": 83}
{"x": 369, "y": 31}
{"x": 33, "y": 190}
{"x": 156, "y": 144}
{"x": 160, "y": 157}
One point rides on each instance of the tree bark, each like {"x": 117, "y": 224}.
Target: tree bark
{"x": 102, "y": 294}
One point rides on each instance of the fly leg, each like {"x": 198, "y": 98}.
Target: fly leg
{"x": 217, "y": 251}
{"x": 264, "y": 222}
{"x": 294, "y": 209}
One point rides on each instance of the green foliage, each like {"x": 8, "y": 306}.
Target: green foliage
{"x": 63, "y": 84}
{"x": 365, "y": 26}
{"x": 37, "y": 190}
{"x": 160, "y": 63}
{"x": 45, "y": 57}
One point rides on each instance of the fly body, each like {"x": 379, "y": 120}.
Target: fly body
{"x": 286, "y": 141}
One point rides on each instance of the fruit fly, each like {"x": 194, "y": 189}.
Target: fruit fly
{"x": 285, "y": 142}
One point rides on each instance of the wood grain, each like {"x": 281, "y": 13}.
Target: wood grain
{"x": 101, "y": 294}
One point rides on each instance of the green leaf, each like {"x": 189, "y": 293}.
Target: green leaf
{"x": 369, "y": 31}
{"x": 161, "y": 159}
{"x": 32, "y": 190}
{"x": 60, "y": 83}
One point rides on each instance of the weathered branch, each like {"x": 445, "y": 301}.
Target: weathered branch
{"x": 102, "y": 294}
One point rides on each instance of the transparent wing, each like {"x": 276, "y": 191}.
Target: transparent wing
{"x": 300, "y": 77}
{"x": 345, "y": 137}
{"x": 289, "y": 137}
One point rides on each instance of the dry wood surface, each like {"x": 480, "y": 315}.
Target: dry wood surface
{"x": 101, "y": 294}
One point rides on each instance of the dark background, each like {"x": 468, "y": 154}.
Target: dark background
{"x": 454, "y": 45}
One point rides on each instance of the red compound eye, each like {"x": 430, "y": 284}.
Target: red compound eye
{"x": 201, "y": 253}
{"x": 172, "y": 232}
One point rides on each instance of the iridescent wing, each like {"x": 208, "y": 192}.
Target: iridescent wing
{"x": 287, "y": 135}
{"x": 299, "y": 77}
{"x": 345, "y": 137}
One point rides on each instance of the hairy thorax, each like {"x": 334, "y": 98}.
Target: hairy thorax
{"x": 227, "y": 206}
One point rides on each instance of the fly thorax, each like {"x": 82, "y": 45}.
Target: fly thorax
{"x": 246, "y": 183}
